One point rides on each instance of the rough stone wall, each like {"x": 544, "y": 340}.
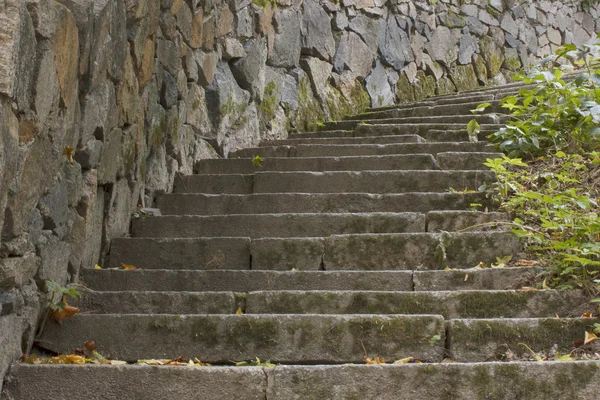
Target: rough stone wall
{"x": 139, "y": 90}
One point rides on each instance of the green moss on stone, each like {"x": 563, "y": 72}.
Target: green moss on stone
{"x": 424, "y": 87}
{"x": 404, "y": 90}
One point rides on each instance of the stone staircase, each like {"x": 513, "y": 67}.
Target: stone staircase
{"x": 346, "y": 243}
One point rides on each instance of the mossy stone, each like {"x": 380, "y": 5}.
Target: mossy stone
{"x": 480, "y": 68}
{"x": 444, "y": 86}
{"x": 425, "y": 86}
{"x": 404, "y": 90}
{"x": 492, "y": 54}
{"x": 464, "y": 77}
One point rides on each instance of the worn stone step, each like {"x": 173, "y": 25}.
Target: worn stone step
{"x": 244, "y": 281}
{"x": 475, "y": 340}
{"x": 351, "y": 163}
{"x": 277, "y": 225}
{"x": 462, "y": 160}
{"x": 492, "y": 380}
{"x": 370, "y": 181}
{"x": 159, "y": 302}
{"x": 265, "y": 203}
{"x": 280, "y": 338}
{"x": 418, "y": 129}
{"x": 364, "y": 130}
{"x": 318, "y": 150}
{"x": 377, "y": 182}
{"x": 458, "y": 107}
{"x": 346, "y": 140}
{"x": 475, "y": 279}
{"x": 385, "y": 251}
{"x": 460, "y": 135}
{"x": 216, "y": 184}
{"x": 450, "y": 304}
{"x": 457, "y": 220}
{"x": 416, "y": 251}
{"x": 451, "y": 119}
{"x": 181, "y": 253}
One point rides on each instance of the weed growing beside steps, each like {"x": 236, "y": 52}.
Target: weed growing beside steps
{"x": 554, "y": 189}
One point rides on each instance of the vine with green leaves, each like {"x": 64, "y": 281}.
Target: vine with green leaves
{"x": 550, "y": 177}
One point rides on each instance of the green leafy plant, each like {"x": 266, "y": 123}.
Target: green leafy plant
{"x": 561, "y": 112}
{"x": 553, "y": 187}
{"x": 257, "y": 161}
{"x": 57, "y": 306}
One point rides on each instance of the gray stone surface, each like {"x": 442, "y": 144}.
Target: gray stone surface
{"x": 250, "y": 70}
{"x": 353, "y": 54}
{"x": 277, "y": 225}
{"x": 281, "y": 339}
{"x": 317, "y": 38}
{"x": 240, "y": 281}
{"x": 287, "y": 43}
{"x": 114, "y": 382}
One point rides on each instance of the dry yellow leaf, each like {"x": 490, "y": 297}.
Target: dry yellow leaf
{"x": 67, "y": 312}
{"x": 466, "y": 277}
{"x": 68, "y": 151}
{"x": 527, "y": 263}
{"x": 97, "y": 266}
{"x": 589, "y": 338}
{"x": 239, "y": 311}
{"x": 128, "y": 267}
{"x": 407, "y": 360}
{"x": 375, "y": 360}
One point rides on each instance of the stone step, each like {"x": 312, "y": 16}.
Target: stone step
{"x": 460, "y": 135}
{"x": 350, "y": 163}
{"x": 346, "y": 140}
{"x": 339, "y": 150}
{"x": 381, "y": 182}
{"x": 457, "y": 220}
{"x": 362, "y": 252}
{"x": 266, "y": 203}
{"x": 450, "y": 304}
{"x": 244, "y": 281}
{"x": 456, "y": 160}
{"x": 477, "y": 340}
{"x": 475, "y": 279}
{"x": 455, "y": 108}
{"x": 428, "y": 131}
{"x": 449, "y": 119}
{"x": 493, "y": 380}
{"x": 277, "y": 225}
{"x": 160, "y": 302}
{"x": 291, "y": 338}
{"x": 363, "y": 130}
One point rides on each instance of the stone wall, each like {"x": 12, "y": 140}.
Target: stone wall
{"x": 104, "y": 102}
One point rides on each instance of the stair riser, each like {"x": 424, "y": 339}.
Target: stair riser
{"x": 245, "y": 166}
{"x": 378, "y": 182}
{"x": 377, "y": 252}
{"x": 478, "y": 340}
{"x": 449, "y": 110}
{"x": 347, "y": 140}
{"x": 466, "y": 304}
{"x": 223, "y": 338}
{"x": 451, "y": 119}
{"x": 244, "y": 281}
{"x": 199, "y": 204}
{"x": 517, "y": 380}
{"x": 277, "y": 225}
{"x": 362, "y": 150}
{"x": 463, "y": 304}
{"x": 369, "y": 130}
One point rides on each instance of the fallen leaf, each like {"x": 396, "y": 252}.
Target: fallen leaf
{"x": 407, "y": 360}
{"x": 578, "y": 342}
{"x": 528, "y": 288}
{"x": 589, "y": 338}
{"x": 239, "y": 311}
{"x": 375, "y": 360}
{"x": 68, "y": 151}
{"x": 563, "y": 357}
{"x": 479, "y": 266}
{"x": 67, "y": 359}
{"x": 466, "y": 277}
{"x": 97, "y": 266}
{"x": 449, "y": 269}
{"x": 67, "y": 312}
{"x": 527, "y": 263}
{"x": 587, "y": 315}
{"x": 128, "y": 267}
